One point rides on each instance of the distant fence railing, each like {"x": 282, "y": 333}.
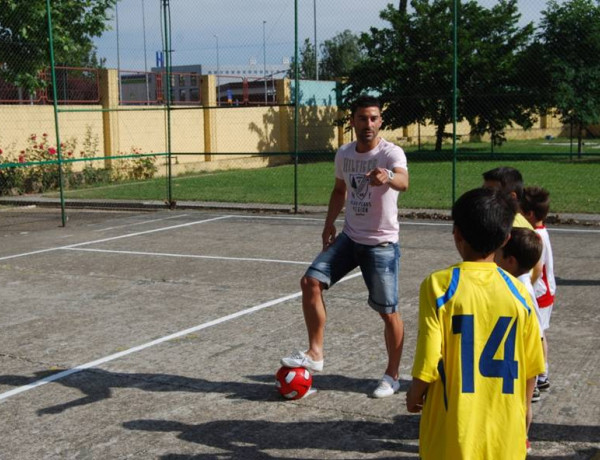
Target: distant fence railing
{"x": 80, "y": 85}
{"x": 75, "y": 85}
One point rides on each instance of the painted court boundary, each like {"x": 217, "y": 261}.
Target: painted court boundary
{"x": 98, "y": 362}
{"x": 103, "y": 240}
{"x": 106, "y": 359}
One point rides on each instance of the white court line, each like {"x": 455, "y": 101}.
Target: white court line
{"x": 140, "y": 223}
{"x": 106, "y": 359}
{"x": 191, "y": 256}
{"x": 404, "y": 222}
{"x": 572, "y": 230}
{"x": 103, "y": 240}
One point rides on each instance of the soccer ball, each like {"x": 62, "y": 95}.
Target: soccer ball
{"x": 293, "y": 382}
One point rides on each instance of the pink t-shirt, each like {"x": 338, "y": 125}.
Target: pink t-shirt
{"x": 371, "y": 212}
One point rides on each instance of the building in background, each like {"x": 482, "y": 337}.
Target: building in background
{"x": 236, "y": 84}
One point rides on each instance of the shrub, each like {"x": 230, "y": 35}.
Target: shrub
{"x": 40, "y": 170}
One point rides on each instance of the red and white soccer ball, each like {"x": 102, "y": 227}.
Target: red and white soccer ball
{"x": 293, "y": 382}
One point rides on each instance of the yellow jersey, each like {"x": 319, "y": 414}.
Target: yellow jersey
{"x": 521, "y": 222}
{"x": 478, "y": 344}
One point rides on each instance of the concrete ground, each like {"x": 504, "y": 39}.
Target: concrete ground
{"x": 137, "y": 334}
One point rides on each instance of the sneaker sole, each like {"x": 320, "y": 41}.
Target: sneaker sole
{"x": 291, "y": 363}
{"x": 380, "y": 396}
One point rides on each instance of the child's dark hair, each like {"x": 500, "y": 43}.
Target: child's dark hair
{"x": 536, "y": 199}
{"x": 364, "y": 101}
{"x": 525, "y": 245}
{"x": 484, "y": 218}
{"x": 510, "y": 179}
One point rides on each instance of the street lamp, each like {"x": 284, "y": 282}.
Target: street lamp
{"x": 265, "y": 60}
{"x": 218, "y": 72}
{"x": 145, "y": 54}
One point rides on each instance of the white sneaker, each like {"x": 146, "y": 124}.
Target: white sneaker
{"x": 301, "y": 359}
{"x": 387, "y": 387}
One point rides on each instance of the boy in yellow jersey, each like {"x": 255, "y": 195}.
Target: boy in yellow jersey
{"x": 478, "y": 347}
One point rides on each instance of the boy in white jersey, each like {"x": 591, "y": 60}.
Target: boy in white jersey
{"x": 517, "y": 257}
{"x": 535, "y": 205}
{"x": 478, "y": 346}
{"x": 369, "y": 174}
{"x": 510, "y": 181}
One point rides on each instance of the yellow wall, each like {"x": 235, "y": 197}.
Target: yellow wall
{"x": 247, "y": 132}
{"x": 18, "y": 122}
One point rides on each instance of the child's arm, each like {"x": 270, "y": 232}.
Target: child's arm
{"x": 530, "y": 388}
{"x": 536, "y": 271}
{"x": 416, "y": 395}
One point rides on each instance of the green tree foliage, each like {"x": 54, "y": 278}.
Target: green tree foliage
{"x": 409, "y": 64}
{"x": 493, "y": 91}
{"x": 24, "y": 49}
{"x": 306, "y": 63}
{"x": 569, "y": 43}
{"x": 339, "y": 55}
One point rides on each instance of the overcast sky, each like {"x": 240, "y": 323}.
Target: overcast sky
{"x": 239, "y": 27}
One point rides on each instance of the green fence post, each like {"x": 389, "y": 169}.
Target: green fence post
{"x": 296, "y": 105}
{"x": 454, "y": 94}
{"x": 166, "y": 13}
{"x": 56, "y": 127}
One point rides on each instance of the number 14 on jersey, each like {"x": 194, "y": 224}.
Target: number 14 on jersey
{"x": 507, "y": 368}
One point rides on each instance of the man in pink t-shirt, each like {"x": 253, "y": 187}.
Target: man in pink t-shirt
{"x": 369, "y": 175}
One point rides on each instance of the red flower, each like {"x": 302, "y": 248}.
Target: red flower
{"x": 52, "y": 151}
{"x": 0, "y": 151}
{"x": 45, "y": 135}
{"x": 21, "y": 158}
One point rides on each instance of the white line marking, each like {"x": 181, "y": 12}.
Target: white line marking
{"x": 426, "y": 224}
{"x": 103, "y": 240}
{"x": 402, "y": 222}
{"x": 572, "y": 230}
{"x": 140, "y": 223}
{"x": 106, "y": 359}
{"x": 191, "y": 256}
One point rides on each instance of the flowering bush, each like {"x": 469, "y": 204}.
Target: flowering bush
{"x": 10, "y": 177}
{"x": 41, "y": 171}
{"x": 45, "y": 174}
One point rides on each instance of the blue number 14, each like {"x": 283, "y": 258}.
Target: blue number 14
{"x": 507, "y": 369}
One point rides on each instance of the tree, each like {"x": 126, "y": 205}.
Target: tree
{"x": 24, "y": 43}
{"x": 306, "y": 65}
{"x": 409, "y": 64}
{"x": 493, "y": 89}
{"x": 570, "y": 46}
{"x": 339, "y": 55}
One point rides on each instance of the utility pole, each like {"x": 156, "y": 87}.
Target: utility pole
{"x": 218, "y": 73}
{"x": 316, "y": 43}
{"x": 265, "y": 60}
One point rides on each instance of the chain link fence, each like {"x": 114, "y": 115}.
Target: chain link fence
{"x": 172, "y": 102}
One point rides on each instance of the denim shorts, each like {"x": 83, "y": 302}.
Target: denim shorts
{"x": 379, "y": 265}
